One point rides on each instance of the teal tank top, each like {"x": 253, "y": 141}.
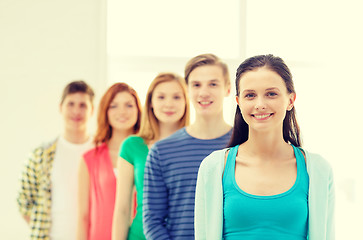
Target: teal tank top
{"x": 250, "y": 217}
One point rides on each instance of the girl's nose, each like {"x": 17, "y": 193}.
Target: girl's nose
{"x": 260, "y": 104}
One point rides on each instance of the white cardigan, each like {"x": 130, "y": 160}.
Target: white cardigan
{"x": 208, "y": 215}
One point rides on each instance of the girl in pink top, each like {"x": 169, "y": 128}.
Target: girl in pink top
{"x": 118, "y": 117}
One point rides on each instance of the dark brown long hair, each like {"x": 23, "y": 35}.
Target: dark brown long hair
{"x": 104, "y": 129}
{"x": 291, "y": 130}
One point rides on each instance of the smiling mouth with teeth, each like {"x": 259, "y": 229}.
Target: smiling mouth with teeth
{"x": 262, "y": 116}
{"x": 205, "y": 103}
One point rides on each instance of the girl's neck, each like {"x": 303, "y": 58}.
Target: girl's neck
{"x": 266, "y": 145}
{"x": 117, "y": 138}
{"x": 165, "y": 130}
{"x": 208, "y": 128}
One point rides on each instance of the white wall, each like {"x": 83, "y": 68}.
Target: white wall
{"x": 43, "y": 46}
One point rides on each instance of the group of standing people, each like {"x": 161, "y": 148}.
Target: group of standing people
{"x": 204, "y": 180}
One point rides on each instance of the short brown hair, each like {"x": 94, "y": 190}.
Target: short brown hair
{"x": 79, "y": 86}
{"x": 203, "y": 60}
{"x": 149, "y": 129}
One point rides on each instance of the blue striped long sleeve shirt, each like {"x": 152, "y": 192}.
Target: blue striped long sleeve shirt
{"x": 169, "y": 184}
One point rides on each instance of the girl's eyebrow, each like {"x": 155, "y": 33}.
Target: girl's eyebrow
{"x": 268, "y": 89}
{"x": 248, "y": 90}
{"x": 273, "y": 88}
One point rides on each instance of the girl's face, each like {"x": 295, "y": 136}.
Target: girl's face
{"x": 168, "y": 102}
{"x": 122, "y": 112}
{"x": 264, "y": 99}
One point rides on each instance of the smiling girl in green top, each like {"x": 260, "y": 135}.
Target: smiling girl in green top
{"x": 166, "y": 110}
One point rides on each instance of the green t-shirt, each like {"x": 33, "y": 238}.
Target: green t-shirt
{"x": 134, "y": 150}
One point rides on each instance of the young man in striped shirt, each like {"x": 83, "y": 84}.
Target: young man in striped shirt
{"x": 172, "y": 164}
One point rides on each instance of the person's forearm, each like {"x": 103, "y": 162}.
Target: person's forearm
{"x": 155, "y": 199}
{"x": 156, "y": 231}
{"x": 120, "y": 226}
{"x": 82, "y": 229}
{"x": 154, "y": 223}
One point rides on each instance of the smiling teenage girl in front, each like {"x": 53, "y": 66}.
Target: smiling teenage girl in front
{"x": 265, "y": 186}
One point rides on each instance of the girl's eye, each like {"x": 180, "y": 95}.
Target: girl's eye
{"x": 271, "y": 94}
{"x": 113, "y": 106}
{"x": 213, "y": 84}
{"x": 160, "y": 97}
{"x": 249, "y": 95}
{"x": 196, "y": 85}
{"x": 177, "y": 97}
{"x": 130, "y": 105}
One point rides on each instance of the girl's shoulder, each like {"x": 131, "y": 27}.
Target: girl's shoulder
{"x": 133, "y": 139}
{"x": 214, "y": 161}
{"x": 316, "y": 162}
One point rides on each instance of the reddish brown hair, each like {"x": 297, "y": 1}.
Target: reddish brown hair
{"x": 104, "y": 129}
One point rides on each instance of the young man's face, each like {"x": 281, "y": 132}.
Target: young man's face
{"x": 207, "y": 89}
{"x": 76, "y": 110}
